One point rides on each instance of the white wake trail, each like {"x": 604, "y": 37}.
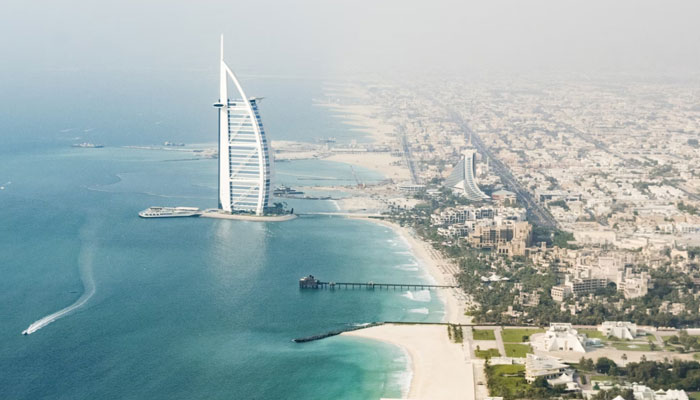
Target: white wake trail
{"x": 85, "y": 262}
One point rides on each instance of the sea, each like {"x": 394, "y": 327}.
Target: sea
{"x": 184, "y": 308}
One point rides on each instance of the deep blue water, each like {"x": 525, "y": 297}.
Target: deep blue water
{"x": 186, "y": 308}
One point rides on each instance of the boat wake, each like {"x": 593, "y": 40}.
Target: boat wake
{"x": 85, "y": 260}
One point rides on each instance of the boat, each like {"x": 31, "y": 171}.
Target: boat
{"x": 285, "y": 191}
{"x": 170, "y": 212}
{"x": 87, "y": 145}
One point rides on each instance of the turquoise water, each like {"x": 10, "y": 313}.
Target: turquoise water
{"x": 187, "y": 308}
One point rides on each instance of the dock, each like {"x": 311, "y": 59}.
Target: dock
{"x": 309, "y": 282}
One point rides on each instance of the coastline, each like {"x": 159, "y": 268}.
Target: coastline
{"x": 436, "y": 266}
{"x": 263, "y": 218}
{"x": 440, "y": 368}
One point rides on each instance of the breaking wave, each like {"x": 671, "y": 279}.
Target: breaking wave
{"x": 419, "y": 295}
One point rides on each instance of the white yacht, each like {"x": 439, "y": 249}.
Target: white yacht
{"x": 169, "y": 212}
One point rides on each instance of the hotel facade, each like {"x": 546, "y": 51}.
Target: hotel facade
{"x": 244, "y": 160}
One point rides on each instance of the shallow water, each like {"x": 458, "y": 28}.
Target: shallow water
{"x": 183, "y": 308}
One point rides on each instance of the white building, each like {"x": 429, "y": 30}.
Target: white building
{"x": 561, "y": 337}
{"x": 619, "y": 329}
{"x": 543, "y": 366}
{"x": 634, "y": 285}
{"x": 244, "y": 162}
{"x": 462, "y": 180}
{"x": 642, "y": 392}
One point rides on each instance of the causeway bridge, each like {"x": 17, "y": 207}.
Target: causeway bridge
{"x": 342, "y": 214}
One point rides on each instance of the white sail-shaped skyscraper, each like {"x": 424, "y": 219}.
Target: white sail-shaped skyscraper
{"x": 462, "y": 180}
{"x": 244, "y": 162}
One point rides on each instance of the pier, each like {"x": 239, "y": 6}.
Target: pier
{"x": 309, "y": 282}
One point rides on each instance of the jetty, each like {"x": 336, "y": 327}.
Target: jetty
{"x": 336, "y": 332}
{"x": 310, "y": 282}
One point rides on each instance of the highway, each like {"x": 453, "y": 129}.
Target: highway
{"x": 537, "y": 214}
{"x": 408, "y": 157}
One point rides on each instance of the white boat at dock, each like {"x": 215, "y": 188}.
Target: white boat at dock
{"x": 170, "y": 212}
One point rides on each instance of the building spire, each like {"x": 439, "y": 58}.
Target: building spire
{"x": 222, "y": 48}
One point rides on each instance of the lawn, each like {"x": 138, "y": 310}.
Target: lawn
{"x": 517, "y": 350}
{"x": 593, "y": 334}
{"x": 484, "y": 334}
{"x": 506, "y": 380}
{"x": 694, "y": 396}
{"x": 487, "y": 353}
{"x": 518, "y": 335}
{"x": 631, "y": 346}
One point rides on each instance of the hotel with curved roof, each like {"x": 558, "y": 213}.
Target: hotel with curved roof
{"x": 462, "y": 180}
{"x": 244, "y": 162}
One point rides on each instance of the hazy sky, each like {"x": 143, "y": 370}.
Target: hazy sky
{"x": 330, "y": 37}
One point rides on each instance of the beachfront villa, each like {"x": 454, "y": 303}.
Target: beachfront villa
{"x": 561, "y": 337}
{"x": 619, "y": 329}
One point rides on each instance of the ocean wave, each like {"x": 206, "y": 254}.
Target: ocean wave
{"x": 85, "y": 261}
{"x": 418, "y": 295}
{"x": 403, "y": 378}
{"x": 422, "y": 310}
{"x": 407, "y": 267}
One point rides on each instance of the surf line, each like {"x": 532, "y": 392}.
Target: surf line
{"x": 85, "y": 260}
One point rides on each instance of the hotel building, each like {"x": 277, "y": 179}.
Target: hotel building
{"x": 244, "y": 162}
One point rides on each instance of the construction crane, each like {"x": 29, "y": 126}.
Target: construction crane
{"x": 360, "y": 184}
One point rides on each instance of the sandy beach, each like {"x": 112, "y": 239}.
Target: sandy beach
{"x": 367, "y": 119}
{"x": 439, "y": 268}
{"x": 441, "y": 369}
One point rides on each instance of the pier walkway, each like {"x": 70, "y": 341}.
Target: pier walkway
{"x": 309, "y": 282}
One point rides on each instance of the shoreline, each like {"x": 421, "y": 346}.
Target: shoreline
{"x": 439, "y": 368}
{"x": 431, "y": 262}
{"x": 240, "y": 217}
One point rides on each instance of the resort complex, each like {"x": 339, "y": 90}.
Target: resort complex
{"x": 244, "y": 161}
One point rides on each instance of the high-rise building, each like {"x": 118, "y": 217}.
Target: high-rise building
{"x": 463, "y": 177}
{"x": 244, "y": 162}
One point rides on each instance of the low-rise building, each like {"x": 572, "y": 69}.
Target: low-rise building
{"x": 577, "y": 287}
{"x": 642, "y": 392}
{"x": 619, "y": 329}
{"x": 561, "y": 337}
{"x": 634, "y": 285}
{"x": 561, "y": 292}
{"x": 543, "y": 367}
{"x": 491, "y": 236}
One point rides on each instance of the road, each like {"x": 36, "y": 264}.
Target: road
{"x": 408, "y": 157}
{"x": 537, "y": 214}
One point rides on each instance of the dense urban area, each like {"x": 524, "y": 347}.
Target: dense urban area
{"x": 569, "y": 213}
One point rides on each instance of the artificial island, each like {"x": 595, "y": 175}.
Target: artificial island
{"x": 244, "y": 161}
